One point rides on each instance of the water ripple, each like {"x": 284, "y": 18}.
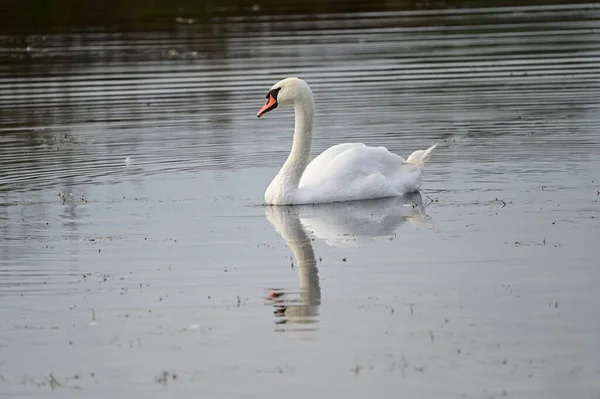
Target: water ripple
{"x": 76, "y": 106}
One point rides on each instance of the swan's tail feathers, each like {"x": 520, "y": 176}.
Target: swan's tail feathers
{"x": 419, "y": 157}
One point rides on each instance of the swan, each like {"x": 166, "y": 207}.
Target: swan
{"x": 344, "y": 172}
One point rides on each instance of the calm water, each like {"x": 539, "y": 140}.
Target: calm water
{"x": 165, "y": 275}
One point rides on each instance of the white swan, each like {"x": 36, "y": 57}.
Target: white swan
{"x": 344, "y": 172}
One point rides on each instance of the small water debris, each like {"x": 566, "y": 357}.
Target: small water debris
{"x": 420, "y": 369}
{"x": 51, "y": 381}
{"x": 93, "y": 322}
{"x": 163, "y": 378}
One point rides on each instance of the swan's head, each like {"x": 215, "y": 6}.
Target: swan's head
{"x": 285, "y": 92}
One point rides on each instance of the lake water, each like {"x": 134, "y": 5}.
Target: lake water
{"x": 137, "y": 260}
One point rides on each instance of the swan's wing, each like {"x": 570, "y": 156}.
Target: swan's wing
{"x": 347, "y": 162}
{"x": 359, "y": 172}
{"x": 324, "y": 158}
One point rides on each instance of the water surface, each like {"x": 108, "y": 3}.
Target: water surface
{"x": 165, "y": 275}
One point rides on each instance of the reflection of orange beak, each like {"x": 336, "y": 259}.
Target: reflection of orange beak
{"x": 269, "y": 105}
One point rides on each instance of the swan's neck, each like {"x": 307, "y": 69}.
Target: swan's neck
{"x": 291, "y": 172}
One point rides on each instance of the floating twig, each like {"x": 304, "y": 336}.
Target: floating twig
{"x": 430, "y": 200}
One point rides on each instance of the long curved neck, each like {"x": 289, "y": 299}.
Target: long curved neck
{"x": 293, "y": 168}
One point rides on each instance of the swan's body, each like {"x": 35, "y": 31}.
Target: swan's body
{"x": 344, "y": 172}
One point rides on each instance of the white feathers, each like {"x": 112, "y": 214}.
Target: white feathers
{"x": 344, "y": 172}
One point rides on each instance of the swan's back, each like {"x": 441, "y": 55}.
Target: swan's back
{"x": 327, "y": 156}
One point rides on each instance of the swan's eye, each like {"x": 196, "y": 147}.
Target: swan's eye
{"x": 273, "y": 93}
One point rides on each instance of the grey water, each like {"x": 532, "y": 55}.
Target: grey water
{"x": 137, "y": 258}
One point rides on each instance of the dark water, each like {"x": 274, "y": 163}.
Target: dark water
{"x": 136, "y": 259}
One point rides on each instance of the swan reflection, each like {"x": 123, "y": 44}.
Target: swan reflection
{"x": 337, "y": 224}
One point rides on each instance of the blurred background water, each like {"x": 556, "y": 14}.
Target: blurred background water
{"x": 135, "y": 255}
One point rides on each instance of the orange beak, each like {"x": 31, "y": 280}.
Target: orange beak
{"x": 269, "y": 105}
